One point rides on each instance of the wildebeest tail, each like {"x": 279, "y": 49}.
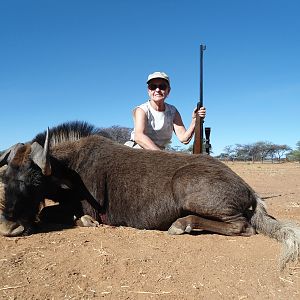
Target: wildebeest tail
{"x": 287, "y": 233}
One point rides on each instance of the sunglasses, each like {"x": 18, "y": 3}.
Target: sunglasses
{"x": 153, "y": 87}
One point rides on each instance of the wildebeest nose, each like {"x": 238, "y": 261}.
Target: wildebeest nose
{"x": 9, "y": 228}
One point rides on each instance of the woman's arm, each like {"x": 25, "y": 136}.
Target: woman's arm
{"x": 185, "y": 135}
{"x": 140, "y": 122}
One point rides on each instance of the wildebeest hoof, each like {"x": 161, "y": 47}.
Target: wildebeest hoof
{"x": 175, "y": 230}
{"x": 87, "y": 221}
{"x": 188, "y": 228}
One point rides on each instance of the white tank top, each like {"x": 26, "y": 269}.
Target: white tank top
{"x": 159, "y": 123}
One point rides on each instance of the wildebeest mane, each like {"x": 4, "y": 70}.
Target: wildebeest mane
{"x": 69, "y": 131}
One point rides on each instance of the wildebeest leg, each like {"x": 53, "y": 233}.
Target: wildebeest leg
{"x": 188, "y": 223}
{"x": 63, "y": 214}
{"x": 58, "y": 214}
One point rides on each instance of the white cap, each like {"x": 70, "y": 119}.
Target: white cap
{"x": 161, "y": 75}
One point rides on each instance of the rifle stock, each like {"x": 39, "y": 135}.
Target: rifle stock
{"x": 198, "y": 139}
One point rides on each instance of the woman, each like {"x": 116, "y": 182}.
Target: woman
{"x": 155, "y": 120}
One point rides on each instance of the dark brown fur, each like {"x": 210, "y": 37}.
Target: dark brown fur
{"x": 148, "y": 189}
{"x": 118, "y": 185}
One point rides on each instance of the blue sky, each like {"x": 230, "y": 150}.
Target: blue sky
{"x": 89, "y": 60}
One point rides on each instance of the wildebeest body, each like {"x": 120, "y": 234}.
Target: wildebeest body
{"x": 118, "y": 185}
{"x": 150, "y": 189}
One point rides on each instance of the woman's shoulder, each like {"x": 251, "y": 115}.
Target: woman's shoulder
{"x": 171, "y": 107}
{"x": 144, "y": 107}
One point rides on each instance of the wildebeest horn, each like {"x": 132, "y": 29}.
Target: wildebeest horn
{"x": 9, "y": 154}
{"x": 40, "y": 155}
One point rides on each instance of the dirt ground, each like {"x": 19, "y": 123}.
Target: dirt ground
{"x": 126, "y": 263}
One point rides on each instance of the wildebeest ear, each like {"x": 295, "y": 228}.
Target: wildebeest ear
{"x": 39, "y": 158}
{"x": 40, "y": 155}
{"x": 9, "y": 154}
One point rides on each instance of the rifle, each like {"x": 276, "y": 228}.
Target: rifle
{"x": 198, "y": 140}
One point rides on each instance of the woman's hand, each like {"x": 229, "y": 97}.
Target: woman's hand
{"x": 201, "y": 112}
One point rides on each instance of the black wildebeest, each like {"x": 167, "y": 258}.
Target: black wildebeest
{"x": 118, "y": 185}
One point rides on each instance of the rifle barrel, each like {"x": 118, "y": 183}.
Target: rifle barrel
{"x": 198, "y": 139}
{"x": 202, "y": 48}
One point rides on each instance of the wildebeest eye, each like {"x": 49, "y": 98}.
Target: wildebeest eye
{"x": 15, "y": 187}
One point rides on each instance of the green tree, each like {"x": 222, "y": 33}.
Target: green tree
{"x": 229, "y": 152}
{"x": 295, "y": 154}
{"x": 280, "y": 150}
{"x": 118, "y": 133}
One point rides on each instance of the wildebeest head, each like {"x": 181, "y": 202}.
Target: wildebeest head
{"x": 24, "y": 184}
{"x": 30, "y": 178}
